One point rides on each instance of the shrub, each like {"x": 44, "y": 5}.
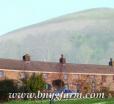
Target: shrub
{"x": 111, "y": 93}
{"x": 6, "y": 87}
{"x": 33, "y": 84}
{"x": 105, "y": 90}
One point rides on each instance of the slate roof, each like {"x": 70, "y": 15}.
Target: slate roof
{"x": 55, "y": 67}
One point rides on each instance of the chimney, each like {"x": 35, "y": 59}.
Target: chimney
{"x": 110, "y": 62}
{"x": 26, "y": 57}
{"x": 62, "y": 60}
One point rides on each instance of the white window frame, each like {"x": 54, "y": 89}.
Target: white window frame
{"x": 65, "y": 76}
{"x": 2, "y": 74}
{"x": 104, "y": 78}
{"x": 22, "y": 75}
{"x": 113, "y": 77}
{"x": 66, "y": 86}
{"x": 45, "y": 75}
{"x": 77, "y": 77}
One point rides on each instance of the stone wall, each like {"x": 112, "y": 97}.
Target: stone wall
{"x": 72, "y": 80}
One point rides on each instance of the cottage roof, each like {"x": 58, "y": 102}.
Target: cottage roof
{"x": 55, "y": 67}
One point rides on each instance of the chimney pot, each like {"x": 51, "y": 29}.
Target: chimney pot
{"x": 26, "y": 57}
{"x": 110, "y": 62}
{"x": 62, "y": 60}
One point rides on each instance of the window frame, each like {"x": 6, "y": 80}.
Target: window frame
{"x": 65, "y": 76}
{"x": 77, "y": 77}
{"x": 2, "y": 73}
{"x": 22, "y": 75}
{"x": 66, "y": 86}
{"x": 113, "y": 78}
{"x": 45, "y": 75}
{"x": 104, "y": 78}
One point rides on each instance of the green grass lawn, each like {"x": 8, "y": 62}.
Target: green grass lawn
{"x": 77, "y": 101}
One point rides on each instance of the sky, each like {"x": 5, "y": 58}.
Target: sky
{"x": 15, "y": 14}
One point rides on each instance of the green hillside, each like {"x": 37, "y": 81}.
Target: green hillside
{"x": 83, "y": 37}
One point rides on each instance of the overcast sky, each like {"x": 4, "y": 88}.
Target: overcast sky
{"x": 16, "y": 14}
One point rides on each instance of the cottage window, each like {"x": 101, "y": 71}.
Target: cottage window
{"x": 77, "y": 77}
{"x": 92, "y": 78}
{"x": 45, "y": 75}
{"x": 93, "y": 87}
{"x": 113, "y": 77}
{"x": 1, "y": 73}
{"x": 103, "y": 78}
{"x": 66, "y": 86}
{"x": 22, "y": 75}
{"x": 65, "y": 76}
{"x": 78, "y": 87}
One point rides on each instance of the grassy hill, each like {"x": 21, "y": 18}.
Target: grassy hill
{"x": 83, "y": 37}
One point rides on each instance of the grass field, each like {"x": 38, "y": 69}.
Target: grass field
{"x": 79, "y": 101}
